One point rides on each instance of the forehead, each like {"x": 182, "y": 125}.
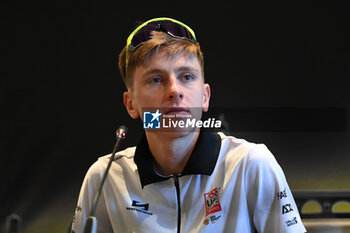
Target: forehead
{"x": 162, "y": 60}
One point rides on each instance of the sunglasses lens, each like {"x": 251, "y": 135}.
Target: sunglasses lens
{"x": 144, "y": 34}
{"x": 174, "y": 29}
{"x": 177, "y": 30}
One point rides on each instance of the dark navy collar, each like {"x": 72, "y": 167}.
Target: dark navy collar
{"x": 201, "y": 162}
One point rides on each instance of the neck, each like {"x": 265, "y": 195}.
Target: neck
{"x": 171, "y": 153}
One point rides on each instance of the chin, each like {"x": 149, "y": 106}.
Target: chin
{"x": 176, "y": 132}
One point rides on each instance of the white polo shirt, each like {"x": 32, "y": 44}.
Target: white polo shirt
{"x": 228, "y": 185}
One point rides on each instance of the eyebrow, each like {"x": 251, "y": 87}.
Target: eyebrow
{"x": 187, "y": 69}
{"x": 177, "y": 70}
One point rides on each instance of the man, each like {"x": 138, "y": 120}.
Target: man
{"x": 182, "y": 179}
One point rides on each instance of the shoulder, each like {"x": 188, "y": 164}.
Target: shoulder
{"x": 262, "y": 170}
{"x": 259, "y": 154}
{"x": 124, "y": 158}
{"x": 233, "y": 145}
{"x": 260, "y": 159}
{"x": 246, "y": 152}
{"x": 253, "y": 158}
{"x": 231, "y": 140}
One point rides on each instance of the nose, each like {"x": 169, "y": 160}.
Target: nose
{"x": 175, "y": 91}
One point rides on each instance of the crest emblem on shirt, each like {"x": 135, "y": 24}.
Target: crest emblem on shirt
{"x": 212, "y": 201}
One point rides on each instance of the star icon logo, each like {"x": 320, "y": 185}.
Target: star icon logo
{"x": 156, "y": 115}
{"x": 151, "y": 120}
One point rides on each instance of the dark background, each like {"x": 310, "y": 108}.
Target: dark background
{"x": 278, "y": 74}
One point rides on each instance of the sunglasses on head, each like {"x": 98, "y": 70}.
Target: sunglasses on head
{"x": 144, "y": 32}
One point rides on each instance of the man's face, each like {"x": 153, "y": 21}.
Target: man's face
{"x": 174, "y": 84}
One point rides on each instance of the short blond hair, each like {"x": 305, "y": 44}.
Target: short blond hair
{"x": 159, "y": 41}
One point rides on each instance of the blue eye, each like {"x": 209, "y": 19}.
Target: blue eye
{"x": 187, "y": 77}
{"x": 155, "y": 80}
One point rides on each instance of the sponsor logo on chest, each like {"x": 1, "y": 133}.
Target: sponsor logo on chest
{"x": 212, "y": 201}
{"x": 212, "y": 205}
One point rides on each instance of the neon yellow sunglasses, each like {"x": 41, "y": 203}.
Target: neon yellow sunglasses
{"x": 170, "y": 26}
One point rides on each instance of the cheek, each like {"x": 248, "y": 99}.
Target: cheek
{"x": 196, "y": 94}
{"x": 149, "y": 99}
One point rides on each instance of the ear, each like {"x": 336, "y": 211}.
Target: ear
{"x": 206, "y": 97}
{"x": 129, "y": 104}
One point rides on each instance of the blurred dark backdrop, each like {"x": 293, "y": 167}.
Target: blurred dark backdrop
{"x": 61, "y": 92}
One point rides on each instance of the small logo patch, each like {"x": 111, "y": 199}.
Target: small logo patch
{"x": 287, "y": 208}
{"x": 281, "y": 194}
{"x": 139, "y": 207}
{"x": 214, "y": 218}
{"x": 206, "y": 221}
{"x": 292, "y": 222}
{"x": 212, "y": 201}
